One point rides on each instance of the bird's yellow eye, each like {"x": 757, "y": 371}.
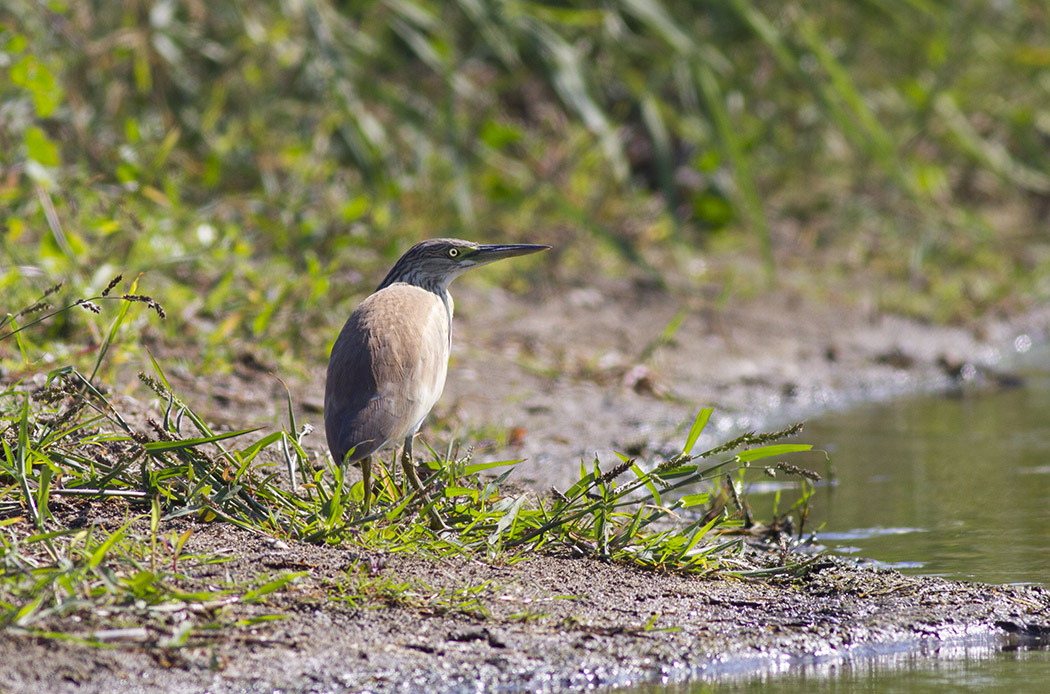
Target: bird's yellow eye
{"x": 453, "y": 252}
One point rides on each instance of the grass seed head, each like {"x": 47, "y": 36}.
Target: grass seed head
{"x": 89, "y": 305}
{"x": 149, "y": 301}
{"x": 112, "y": 283}
{"x": 38, "y": 306}
{"x": 796, "y": 470}
{"x": 616, "y": 471}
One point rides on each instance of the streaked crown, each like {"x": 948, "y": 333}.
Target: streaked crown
{"x": 433, "y": 263}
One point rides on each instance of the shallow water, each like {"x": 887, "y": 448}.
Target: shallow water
{"x": 952, "y": 485}
{"x": 961, "y": 670}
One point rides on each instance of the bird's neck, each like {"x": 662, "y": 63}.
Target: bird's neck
{"x": 439, "y": 289}
{"x": 446, "y": 298}
{"x": 450, "y": 306}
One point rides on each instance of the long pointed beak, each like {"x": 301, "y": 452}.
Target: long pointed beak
{"x": 498, "y": 251}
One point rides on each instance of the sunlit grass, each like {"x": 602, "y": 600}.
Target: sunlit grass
{"x": 627, "y": 134}
{"x": 67, "y": 439}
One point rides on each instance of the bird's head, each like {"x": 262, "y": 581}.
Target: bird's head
{"x": 434, "y": 263}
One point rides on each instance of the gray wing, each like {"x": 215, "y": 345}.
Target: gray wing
{"x": 351, "y": 421}
{"x": 384, "y": 374}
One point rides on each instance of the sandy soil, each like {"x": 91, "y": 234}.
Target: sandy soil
{"x": 553, "y": 391}
{"x": 760, "y": 364}
{"x": 599, "y": 379}
{"x": 551, "y": 623}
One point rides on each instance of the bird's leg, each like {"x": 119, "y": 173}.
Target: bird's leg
{"x": 366, "y": 475}
{"x": 409, "y": 467}
{"x": 410, "y": 473}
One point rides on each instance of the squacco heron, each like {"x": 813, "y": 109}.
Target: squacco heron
{"x": 388, "y": 365}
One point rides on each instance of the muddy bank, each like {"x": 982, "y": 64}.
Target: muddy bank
{"x": 550, "y": 623}
{"x": 601, "y": 379}
{"x": 560, "y": 376}
{"x": 552, "y": 391}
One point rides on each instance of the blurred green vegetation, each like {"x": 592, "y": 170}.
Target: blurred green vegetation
{"x": 263, "y": 162}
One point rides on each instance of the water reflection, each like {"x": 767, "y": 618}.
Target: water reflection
{"x": 955, "y": 486}
{"x": 952, "y": 669}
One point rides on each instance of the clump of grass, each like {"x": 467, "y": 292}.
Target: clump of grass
{"x": 68, "y": 438}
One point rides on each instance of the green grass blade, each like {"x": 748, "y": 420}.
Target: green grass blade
{"x": 272, "y": 586}
{"x": 698, "y": 427}
{"x": 648, "y": 481}
{"x": 100, "y": 552}
{"x": 43, "y": 491}
{"x": 161, "y": 446}
{"x": 125, "y": 306}
{"x": 735, "y": 152}
{"x": 479, "y": 467}
{"x": 770, "y": 451}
